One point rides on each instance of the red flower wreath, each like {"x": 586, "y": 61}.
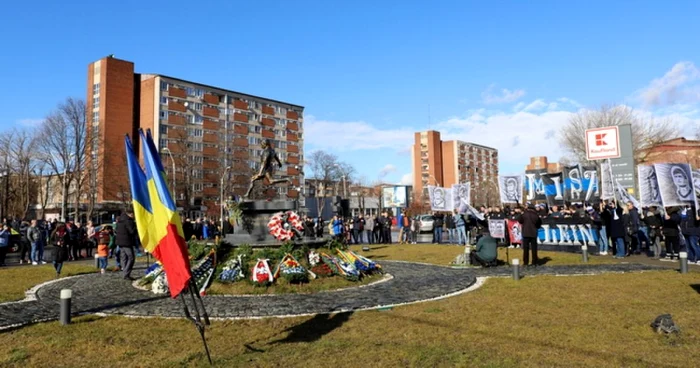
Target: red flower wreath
{"x": 277, "y": 223}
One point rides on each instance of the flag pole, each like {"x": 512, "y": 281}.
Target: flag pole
{"x": 197, "y": 323}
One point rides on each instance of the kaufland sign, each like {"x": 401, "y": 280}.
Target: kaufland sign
{"x": 602, "y": 143}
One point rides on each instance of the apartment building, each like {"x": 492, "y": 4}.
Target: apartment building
{"x": 207, "y": 136}
{"x": 444, "y": 163}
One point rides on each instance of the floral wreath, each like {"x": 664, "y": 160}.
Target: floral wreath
{"x": 283, "y": 229}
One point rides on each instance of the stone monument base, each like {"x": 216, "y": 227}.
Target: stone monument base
{"x": 252, "y": 228}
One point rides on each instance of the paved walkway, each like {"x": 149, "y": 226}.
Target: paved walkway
{"x": 411, "y": 282}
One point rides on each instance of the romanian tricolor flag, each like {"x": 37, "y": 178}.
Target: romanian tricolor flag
{"x": 143, "y": 214}
{"x": 164, "y": 237}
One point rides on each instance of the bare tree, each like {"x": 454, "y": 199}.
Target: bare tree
{"x": 61, "y": 142}
{"x": 322, "y": 168}
{"x": 22, "y": 151}
{"x": 646, "y": 132}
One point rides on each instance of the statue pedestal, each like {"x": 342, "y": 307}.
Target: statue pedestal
{"x": 252, "y": 228}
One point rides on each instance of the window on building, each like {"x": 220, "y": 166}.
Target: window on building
{"x": 199, "y": 92}
{"x": 253, "y": 164}
{"x": 96, "y": 89}
{"x": 257, "y": 129}
{"x": 281, "y": 110}
{"x": 164, "y": 86}
{"x": 194, "y": 146}
{"x": 163, "y": 114}
{"x": 195, "y": 132}
{"x": 190, "y": 119}
{"x": 281, "y": 133}
{"x": 197, "y": 187}
{"x": 164, "y": 100}
{"x": 255, "y": 117}
{"x": 163, "y": 129}
{"x": 198, "y": 106}
{"x": 95, "y": 116}
{"x": 163, "y": 143}
{"x": 253, "y": 141}
{"x": 198, "y": 120}
{"x": 189, "y": 91}
{"x": 95, "y": 102}
{"x": 283, "y": 145}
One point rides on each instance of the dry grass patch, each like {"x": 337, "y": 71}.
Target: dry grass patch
{"x": 584, "y": 321}
{"x": 17, "y": 280}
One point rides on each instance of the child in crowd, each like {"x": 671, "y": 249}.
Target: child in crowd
{"x": 104, "y": 238}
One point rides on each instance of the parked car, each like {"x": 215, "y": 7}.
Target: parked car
{"x": 426, "y": 223}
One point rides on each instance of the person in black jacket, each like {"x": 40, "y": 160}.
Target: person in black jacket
{"x": 125, "y": 237}
{"x": 617, "y": 229}
{"x": 691, "y": 231}
{"x": 633, "y": 228}
{"x": 653, "y": 220}
{"x": 671, "y": 234}
{"x": 438, "y": 222}
{"x": 531, "y": 223}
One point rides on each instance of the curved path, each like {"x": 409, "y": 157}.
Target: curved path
{"x": 411, "y": 283}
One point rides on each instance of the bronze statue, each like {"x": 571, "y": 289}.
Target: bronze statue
{"x": 266, "y": 167}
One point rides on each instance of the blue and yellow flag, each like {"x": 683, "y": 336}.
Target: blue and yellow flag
{"x": 143, "y": 214}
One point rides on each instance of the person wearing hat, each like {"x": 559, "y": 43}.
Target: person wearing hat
{"x": 531, "y": 223}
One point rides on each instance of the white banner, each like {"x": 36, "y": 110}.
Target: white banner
{"x": 511, "y": 188}
{"x": 440, "y": 198}
{"x": 461, "y": 197}
{"x": 649, "y": 194}
{"x": 606, "y": 178}
{"x": 676, "y": 184}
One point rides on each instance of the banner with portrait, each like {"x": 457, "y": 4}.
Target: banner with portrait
{"x": 625, "y": 197}
{"x": 440, "y": 198}
{"x": 696, "y": 182}
{"x": 649, "y": 193}
{"x": 581, "y": 184}
{"x": 511, "y": 188}
{"x": 461, "y": 197}
{"x": 497, "y": 229}
{"x": 515, "y": 231}
{"x": 676, "y": 184}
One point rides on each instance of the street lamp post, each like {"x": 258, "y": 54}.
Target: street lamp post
{"x": 64, "y": 184}
{"x": 345, "y": 186}
{"x": 174, "y": 181}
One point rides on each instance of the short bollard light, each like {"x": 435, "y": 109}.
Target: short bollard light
{"x": 66, "y": 295}
{"x": 516, "y": 269}
{"x": 683, "y": 257}
{"x": 584, "y": 251}
{"x": 97, "y": 261}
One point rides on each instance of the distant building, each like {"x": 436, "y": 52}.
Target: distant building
{"x": 444, "y": 163}
{"x": 678, "y": 150}
{"x": 541, "y": 162}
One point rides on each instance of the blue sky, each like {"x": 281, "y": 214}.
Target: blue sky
{"x": 506, "y": 74}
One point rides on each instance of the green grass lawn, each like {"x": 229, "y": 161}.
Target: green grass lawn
{"x": 544, "y": 321}
{"x": 17, "y": 280}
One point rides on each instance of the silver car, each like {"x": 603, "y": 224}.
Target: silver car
{"x": 426, "y": 223}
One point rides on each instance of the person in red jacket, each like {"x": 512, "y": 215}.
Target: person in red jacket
{"x": 531, "y": 223}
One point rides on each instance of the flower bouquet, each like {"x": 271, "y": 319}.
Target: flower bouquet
{"x": 203, "y": 272}
{"x": 233, "y": 270}
{"x": 261, "y": 274}
{"x": 314, "y": 258}
{"x": 160, "y": 284}
{"x": 291, "y": 270}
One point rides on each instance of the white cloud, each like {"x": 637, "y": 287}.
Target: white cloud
{"x": 517, "y": 136}
{"x": 503, "y": 96}
{"x": 355, "y": 135}
{"x": 406, "y": 179}
{"x": 386, "y": 170}
{"x": 31, "y": 123}
{"x": 679, "y": 85}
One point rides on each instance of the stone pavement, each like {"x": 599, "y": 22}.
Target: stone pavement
{"x": 411, "y": 282}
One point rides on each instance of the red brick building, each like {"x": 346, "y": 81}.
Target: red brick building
{"x": 679, "y": 150}
{"x": 200, "y": 130}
